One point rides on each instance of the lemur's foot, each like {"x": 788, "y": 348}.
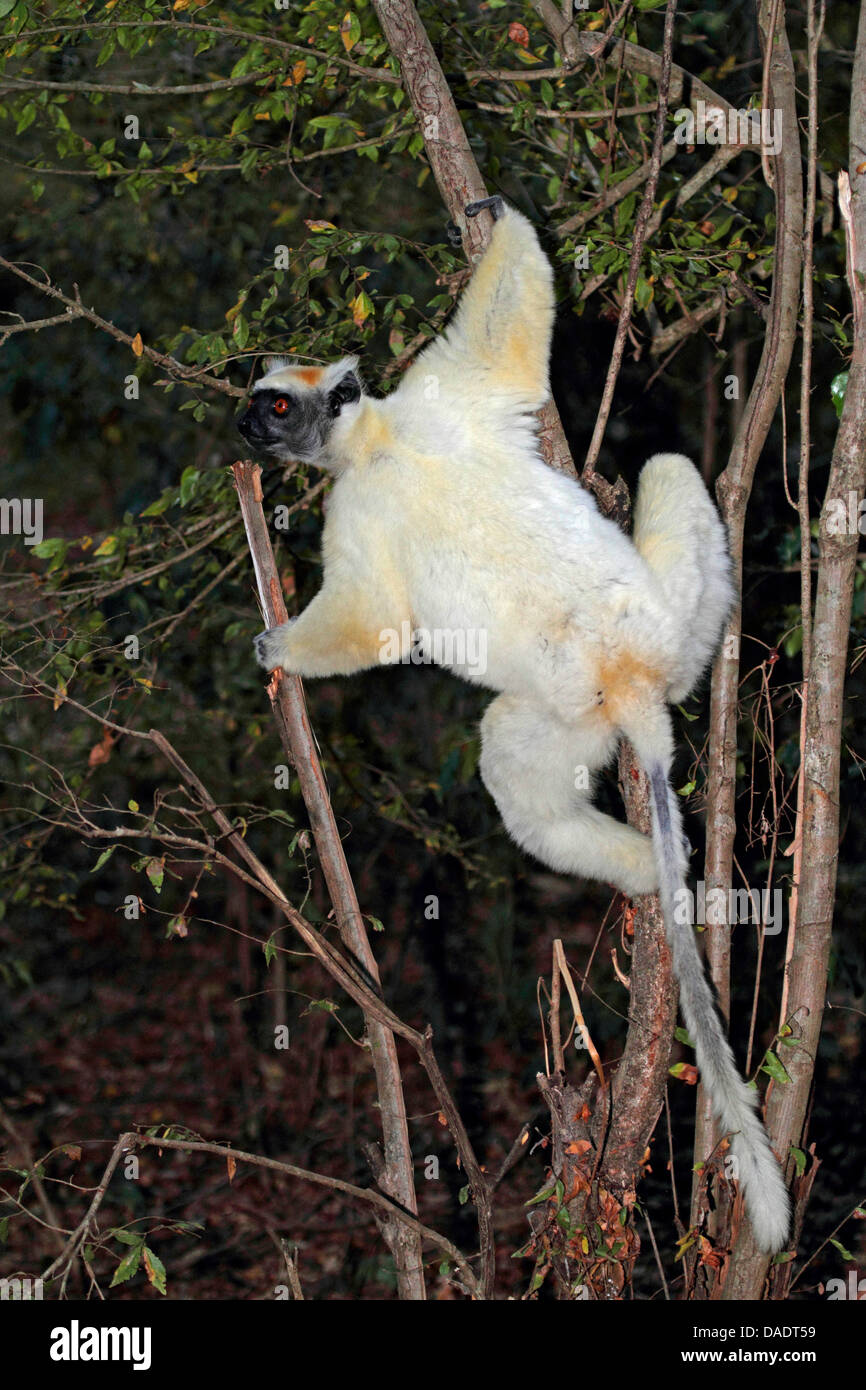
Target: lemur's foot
{"x": 496, "y": 204}
{"x": 270, "y": 646}
{"x": 454, "y": 235}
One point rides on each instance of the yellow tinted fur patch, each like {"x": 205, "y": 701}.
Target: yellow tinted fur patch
{"x": 625, "y": 682}
{"x": 370, "y": 435}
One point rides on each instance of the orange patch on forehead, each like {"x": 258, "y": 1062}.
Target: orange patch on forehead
{"x": 310, "y": 376}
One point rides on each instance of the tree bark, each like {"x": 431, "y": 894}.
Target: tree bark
{"x": 733, "y": 490}
{"x": 629, "y": 1113}
{"x": 454, "y": 166}
{"x": 837, "y": 563}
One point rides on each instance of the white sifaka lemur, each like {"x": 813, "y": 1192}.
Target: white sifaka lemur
{"x": 445, "y": 518}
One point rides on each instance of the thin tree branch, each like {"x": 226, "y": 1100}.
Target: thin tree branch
{"x": 452, "y": 160}
{"x": 289, "y": 708}
{"x": 349, "y": 975}
{"x": 639, "y": 236}
{"x": 130, "y": 1141}
{"x": 733, "y": 490}
{"x": 8, "y": 83}
{"x": 224, "y": 30}
{"x": 194, "y": 376}
{"x": 837, "y": 563}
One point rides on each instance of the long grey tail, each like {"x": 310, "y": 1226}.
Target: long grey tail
{"x": 733, "y": 1102}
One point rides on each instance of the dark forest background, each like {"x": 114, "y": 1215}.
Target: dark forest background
{"x": 168, "y": 1019}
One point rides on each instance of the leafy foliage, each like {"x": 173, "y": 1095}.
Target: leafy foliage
{"x": 225, "y": 182}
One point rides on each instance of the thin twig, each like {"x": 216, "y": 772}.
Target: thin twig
{"x": 194, "y": 376}
{"x": 639, "y": 237}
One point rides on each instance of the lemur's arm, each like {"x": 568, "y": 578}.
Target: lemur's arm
{"x": 502, "y": 328}
{"x": 351, "y": 625}
{"x": 334, "y": 636}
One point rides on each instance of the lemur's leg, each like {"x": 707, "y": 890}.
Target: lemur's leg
{"x": 539, "y": 772}
{"x": 681, "y": 536}
{"x": 338, "y": 633}
{"x": 504, "y": 319}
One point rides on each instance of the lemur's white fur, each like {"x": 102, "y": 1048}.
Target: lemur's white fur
{"x": 444, "y": 516}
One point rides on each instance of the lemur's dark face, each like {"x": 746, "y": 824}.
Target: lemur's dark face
{"x": 292, "y": 419}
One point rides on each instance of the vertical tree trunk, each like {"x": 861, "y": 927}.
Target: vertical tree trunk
{"x": 733, "y": 490}
{"x": 837, "y": 562}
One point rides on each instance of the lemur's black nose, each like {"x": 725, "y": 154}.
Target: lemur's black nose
{"x": 246, "y": 425}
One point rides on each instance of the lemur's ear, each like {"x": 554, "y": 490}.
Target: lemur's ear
{"x": 342, "y": 384}
{"x": 275, "y": 364}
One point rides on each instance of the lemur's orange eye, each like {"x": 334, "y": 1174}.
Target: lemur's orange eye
{"x": 281, "y": 405}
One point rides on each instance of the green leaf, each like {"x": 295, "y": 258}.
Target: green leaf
{"x": 679, "y": 1069}
{"x": 773, "y": 1067}
{"x": 155, "y": 1269}
{"x": 463, "y": 1195}
{"x": 105, "y": 51}
{"x": 723, "y": 227}
{"x": 161, "y": 504}
{"x": 543, "y": 1196}
{"x": 793, "y": 642}
{"x": 846, "y": 1254}
{"x": 156, "y": 873}
{"x": 270, "y": 951}
{"x": 799, "y": 1158}
{"x": 188, "y": 481}
{"x": 128, "y": 1237}
{"x": 26, "y": 118}
{"x": 103, "y": 858}
{"x": 352, "y": 33}
{"x": 838, "y": 387}
{"x": 643, "y": 293}
{"x": 128, "y": 1266}
{"x": 241, "y": 122}
{"x": 46, "y": 550}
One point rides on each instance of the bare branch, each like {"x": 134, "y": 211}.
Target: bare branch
{"x": 733, "y": 490}
{"x": 8, "y": 83}
{"x": 193, "y": 376}
{"x": 639, "y": 236}
{"x": 452, "y": 160}
{"x": 128, "y": 1142}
